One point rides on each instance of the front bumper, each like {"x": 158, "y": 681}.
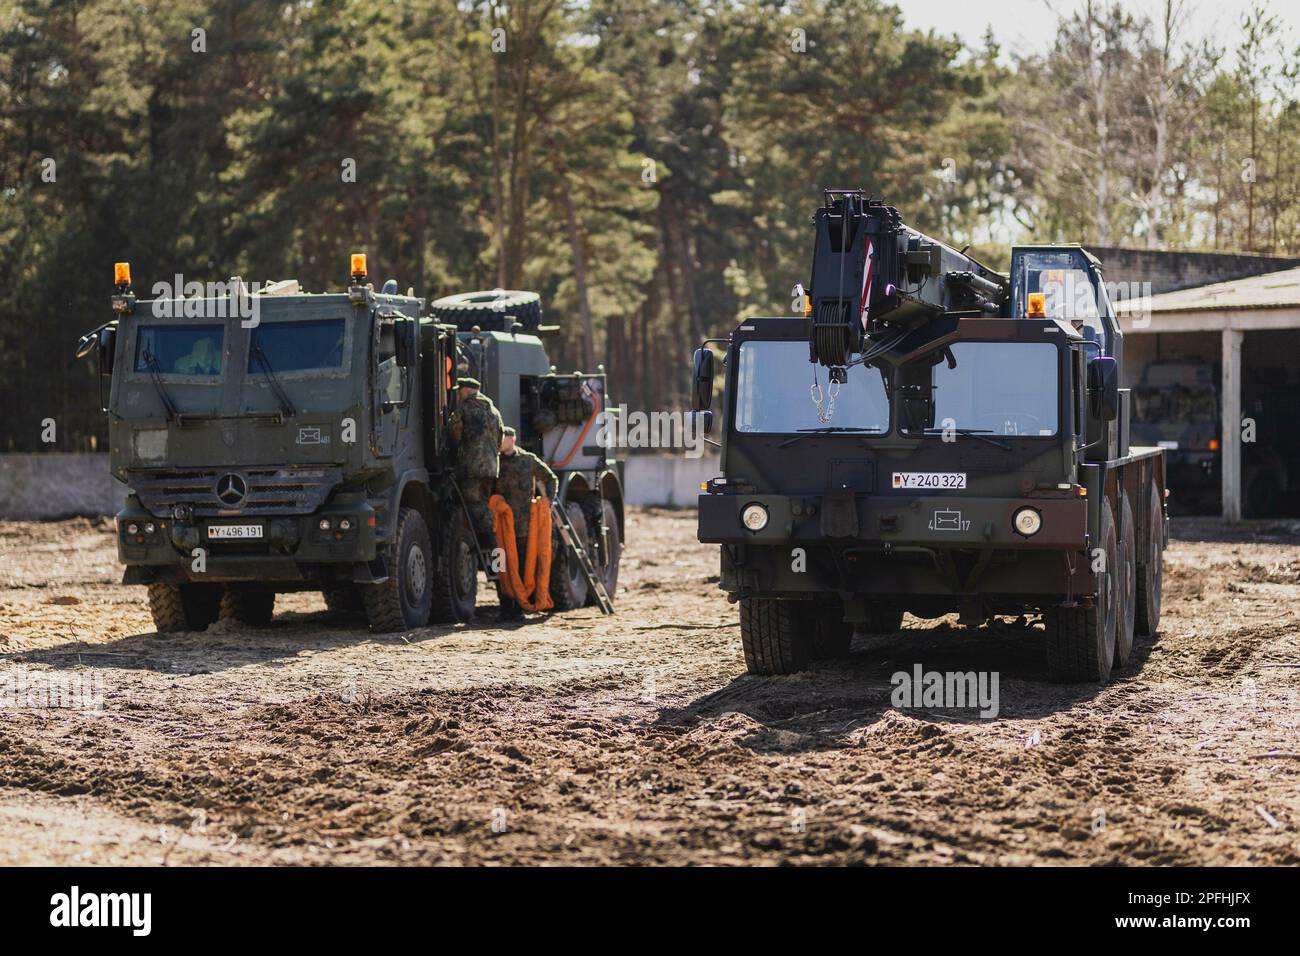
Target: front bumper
{"x": 292, "y": 548}
{"x": 932, "y": 522}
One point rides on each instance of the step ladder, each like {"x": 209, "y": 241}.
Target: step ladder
{"x": 574, "y": 543}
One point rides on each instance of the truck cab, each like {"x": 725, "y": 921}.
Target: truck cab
{"x": 275, "y": 440}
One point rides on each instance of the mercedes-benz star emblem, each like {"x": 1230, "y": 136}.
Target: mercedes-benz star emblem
{"x": 231, "y": 490}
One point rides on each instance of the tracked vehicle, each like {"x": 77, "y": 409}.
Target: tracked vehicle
{"x": 932, "y": 437}
{"x": 273, "y": 440}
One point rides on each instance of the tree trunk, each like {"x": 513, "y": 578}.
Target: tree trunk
{"x": 577, "y": 247}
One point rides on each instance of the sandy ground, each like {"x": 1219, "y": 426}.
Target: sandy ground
{"x": 636, "y": 738}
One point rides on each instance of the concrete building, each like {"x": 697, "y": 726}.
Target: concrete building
{"x": 1249, "y": 329}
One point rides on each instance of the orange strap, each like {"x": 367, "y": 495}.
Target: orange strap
{"x": 533, "y": 592}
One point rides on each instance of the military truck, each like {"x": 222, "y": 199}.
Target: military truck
{"x": 273, "y": 440}
{"x": 1176, "y": 406}
{"x": 932, "y": 437}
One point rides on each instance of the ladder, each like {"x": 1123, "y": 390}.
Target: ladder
{"x": 574, "y": 543}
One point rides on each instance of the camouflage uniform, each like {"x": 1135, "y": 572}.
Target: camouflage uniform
{"x": 515, "y": 482}
{"x": 475, "y": 429}
{"x": 519, "y": 471}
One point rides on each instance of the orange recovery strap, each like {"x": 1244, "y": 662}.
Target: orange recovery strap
{"x": 533, "y": 591}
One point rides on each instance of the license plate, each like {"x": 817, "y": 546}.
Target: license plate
{"x": 935, "y": 480}
{"x": 234, "y": 531}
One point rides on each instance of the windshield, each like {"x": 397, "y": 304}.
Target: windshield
{"x": 298, "y": 346}
{"x": 1002, "y": 388}
{"x": 1066, "y": 288}
{"x": 179, "y": 349}
{"x": 772, "y": 392}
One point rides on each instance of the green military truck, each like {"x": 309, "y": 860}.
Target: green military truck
{"x": 932, "y": 437}
{"x": 273, "y": 440}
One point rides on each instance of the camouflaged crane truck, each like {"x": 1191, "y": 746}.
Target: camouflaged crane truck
{"x": 306, "y": 448}
{"x": 932, "y": 437}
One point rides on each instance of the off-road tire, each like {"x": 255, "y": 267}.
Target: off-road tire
{"x": 455, "y": 572}
{"x": 1080, "y": 641}
{"x": 597, "y": 511}
{"x": 569, "y": 586}
{"x": 494, "y": 311}
{"x": 184, "y": 607}
{"x": 777, "y": 636}
{"x": 253, "y": 608}
{"x": 402, "y": 602}
{"x": 1151, "y": 575}
{"x": 345, "y": 599}
{"x": 1124, "y": 625}
{"x": 883, "y": 621}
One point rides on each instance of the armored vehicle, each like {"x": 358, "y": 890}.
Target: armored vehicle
{"x": 273, "y": 440}
{"x": 932, "y": 437}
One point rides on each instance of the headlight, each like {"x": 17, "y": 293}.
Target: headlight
{"x": 1027, "y": 521}
{"x": 345, "y": 524}
{"x": 324, "y": 524}
{"x": 754, "y": 517}
{"x": 149, "y": 528}
{"x": 133, "y": 528}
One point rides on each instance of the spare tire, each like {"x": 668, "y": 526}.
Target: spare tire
{"x": 494, "y": 311}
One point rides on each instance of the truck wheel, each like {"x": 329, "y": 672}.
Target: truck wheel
{"x": 776, "y": 635}
{"x": 455, "y": 577}
{"x": 1150, "y": 576}
{"x": 597, "y": 513}
{"x": 1127, "y": 571}
{"x": 184, "y": 607}
{"x": 1262, "y": 493}
{"x": 883, "y": 621}
{"x": 832, "y": 635}
{"x": 247, "y": 607}
{"x": 494, "y": 311}
{"x": 402, "y": 602}
{"x": 343, "y": 600}
{"x": 568, "y": 583}
{"x": 1081, "y": 640}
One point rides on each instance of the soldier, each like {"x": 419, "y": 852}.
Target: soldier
{"x": 520, "y": 471}
{"x": 475, "y": 429}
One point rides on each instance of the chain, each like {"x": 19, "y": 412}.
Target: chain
{"x": 825, "y": 414}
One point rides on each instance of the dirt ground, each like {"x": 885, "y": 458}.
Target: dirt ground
{"x": 581, "y": 739}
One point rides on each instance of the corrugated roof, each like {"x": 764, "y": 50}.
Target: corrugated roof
{"x": 1272, "y": 290}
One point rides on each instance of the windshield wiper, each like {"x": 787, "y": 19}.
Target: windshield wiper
{"x": 286, "y": 406}
{"x": 155, "y": 375}
{"x": 828, "y": 430}
{"x": 981, "y": 433}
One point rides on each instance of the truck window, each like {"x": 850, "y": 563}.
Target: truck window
{"x": 304, "y": 346}
{"x": 772, "y": 391}
{"x": 1067, "y": 289}
{"x": 1003, "y": 388}
{"x": 179, "y": 349}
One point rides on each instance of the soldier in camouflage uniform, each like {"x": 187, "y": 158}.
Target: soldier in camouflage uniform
{"x": 519, "y": 472}
{"x": 475, "y": 429}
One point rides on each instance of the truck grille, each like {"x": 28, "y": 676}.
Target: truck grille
{"x": 279, "y": 491}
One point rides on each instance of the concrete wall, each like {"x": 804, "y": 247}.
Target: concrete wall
{"x": 1170, "y": 271}
{"x": 58, "y": 485}
{"x": 667, "y": 480}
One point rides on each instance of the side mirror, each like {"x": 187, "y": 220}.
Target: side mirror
{"x": 404, "y": 343}
{"x": 107, "y": 346}
{"x": 702, "y": 379}
{"x": 703, "y": 421}
{"x": 1103, "y": 388}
